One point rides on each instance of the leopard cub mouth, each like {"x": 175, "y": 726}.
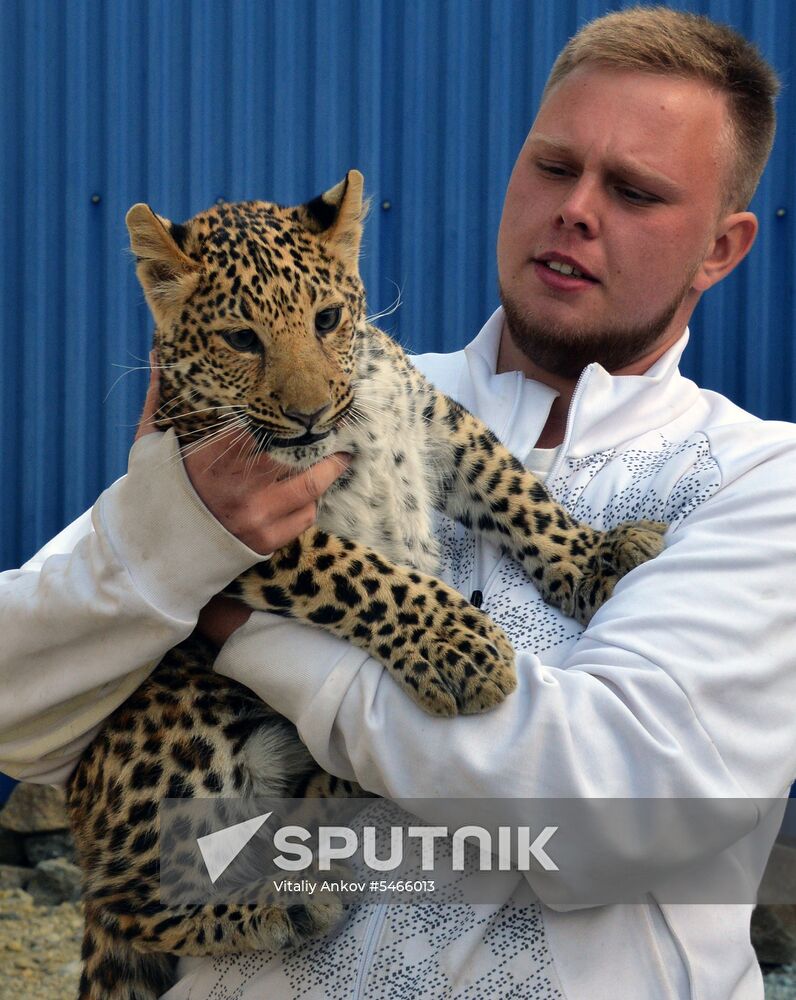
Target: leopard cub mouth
{"x": 298, "y": 442}
{"x": 282, "y": 438}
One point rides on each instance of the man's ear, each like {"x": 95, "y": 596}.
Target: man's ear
{"x": 732, "y": 243}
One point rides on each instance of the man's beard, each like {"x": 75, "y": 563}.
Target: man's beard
{"x": 566, "y": 351}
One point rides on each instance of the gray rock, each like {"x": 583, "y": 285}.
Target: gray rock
{"x": 55, "y": 881}
{"x": 35, "y": 809}
{"x": 73, "y": 968}
{"x": 11, "y": 847}
{"x": 780, "y": 983}
{"x": 774, "y": 934}
{"x": 779, "y": 878}
{"x": 44, "y": 846}
{"x": 774, "y": 921}
{"x": 14, "y": 876}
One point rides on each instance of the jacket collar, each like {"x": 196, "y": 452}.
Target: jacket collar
{"x": 607, "y": 410}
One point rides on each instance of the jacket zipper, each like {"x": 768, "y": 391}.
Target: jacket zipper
{"x": 479, "y": 595}
{"x": 372, "y": 932}
{"x": 570, "y": 428}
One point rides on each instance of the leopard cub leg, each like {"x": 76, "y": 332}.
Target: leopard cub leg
{"x": 187, "y": 733}
{"x": 448, "y": 656}
{"x": 618, "y": 551}
{"x": 574, "y": 566}
{"x": 132, "y": 955}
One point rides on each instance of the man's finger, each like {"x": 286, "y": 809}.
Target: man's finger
{"x": 146, "y": 425}
{"x": 280, "y": 532}
{"x": 311, "y": 484}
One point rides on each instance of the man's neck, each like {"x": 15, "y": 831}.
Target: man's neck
{"x": 555, "y": 428}
{"x": 511, "y": 359}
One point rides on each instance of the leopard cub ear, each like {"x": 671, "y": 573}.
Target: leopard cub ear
{"x": 338, "y": 214}
{"x": 167, "y": 275}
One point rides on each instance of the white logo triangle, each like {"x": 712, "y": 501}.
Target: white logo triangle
{"x": 220, "y": 849}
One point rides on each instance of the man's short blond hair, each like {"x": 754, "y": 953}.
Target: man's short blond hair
{"x": 662, "y": 40}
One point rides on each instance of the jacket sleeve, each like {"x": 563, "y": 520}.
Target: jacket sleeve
{"x": 682, "y": 685}
{"x": 85, "y": 620}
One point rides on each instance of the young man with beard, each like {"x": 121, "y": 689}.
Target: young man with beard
{"x": 628, "y": 201}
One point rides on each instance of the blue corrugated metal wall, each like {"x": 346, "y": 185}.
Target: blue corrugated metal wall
{"x": 109, "y": 102}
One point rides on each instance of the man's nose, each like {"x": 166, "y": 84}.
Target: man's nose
{"x": 580, "y": 208}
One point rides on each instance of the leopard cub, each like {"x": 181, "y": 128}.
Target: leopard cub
{"x": 261, "y": 331}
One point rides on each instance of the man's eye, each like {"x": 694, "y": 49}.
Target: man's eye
{"x": 328, "y": 319}
{"x": 245, "y": 341}
{"x": 553, "y": 169}
{"x": 636, "y": 197}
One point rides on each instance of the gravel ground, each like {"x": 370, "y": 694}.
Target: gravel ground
{"x": 40, "y": 950}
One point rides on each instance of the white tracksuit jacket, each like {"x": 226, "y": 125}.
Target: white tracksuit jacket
{"x": 681, "y": 686}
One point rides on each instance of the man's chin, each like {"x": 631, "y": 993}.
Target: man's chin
{"x": 565, "y": 349}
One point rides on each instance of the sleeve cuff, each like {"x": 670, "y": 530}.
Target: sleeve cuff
{"x": 177, "y": 554}
{"x": 301, "y": 672}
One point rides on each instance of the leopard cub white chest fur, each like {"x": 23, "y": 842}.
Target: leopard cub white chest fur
{"x": 388, "y": 499}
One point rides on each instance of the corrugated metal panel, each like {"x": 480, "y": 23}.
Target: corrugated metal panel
{"x": 108, "y": 102}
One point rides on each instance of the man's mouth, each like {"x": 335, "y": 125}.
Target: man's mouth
{"x": 566, "y": 267}
{"x": 556, "y": 265}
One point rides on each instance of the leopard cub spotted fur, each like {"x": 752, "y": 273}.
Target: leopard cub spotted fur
{"x": 261, "y": 328}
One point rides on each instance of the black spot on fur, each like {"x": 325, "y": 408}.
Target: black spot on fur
{"x": 301, "y": 919}
{"x": 345, "y": 592}
{"x": 146, "y": 774}
{"x": 375, "y": 612}
{"x": 305, "y": 585}
{"x": 276, "y": 597}
{"x": 179, "y": 233}
{"x": 322, "y": 213}
{"x": 142, "y": 812}
{"x": 212, "y": 782}
{"x": 144, "y": 841}
{"x": 326, "y": 615}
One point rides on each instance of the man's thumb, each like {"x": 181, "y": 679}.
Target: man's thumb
{"x": 146, "y": 425}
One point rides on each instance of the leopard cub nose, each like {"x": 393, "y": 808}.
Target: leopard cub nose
{"x": 308, "y": 419}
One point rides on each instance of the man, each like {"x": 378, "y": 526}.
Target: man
{"x": 627, "y": 202}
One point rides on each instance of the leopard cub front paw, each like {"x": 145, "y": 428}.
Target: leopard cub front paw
{"x": 618, "y": 551}
{"x": 630, "y": 544}
{"x": 457, "y": 661}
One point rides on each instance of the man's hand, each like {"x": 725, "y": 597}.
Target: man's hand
{"x": 221, "y": 617}
{"x": 264, "y": 504}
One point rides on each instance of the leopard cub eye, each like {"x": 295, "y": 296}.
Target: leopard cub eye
{"x": 328, "y": 319}
{"x": 244, "y": 341}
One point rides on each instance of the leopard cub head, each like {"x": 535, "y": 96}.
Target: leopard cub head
{"x": 259, "y": 310}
